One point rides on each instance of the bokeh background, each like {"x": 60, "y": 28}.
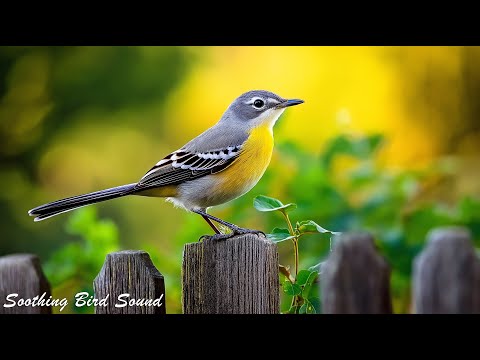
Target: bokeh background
{"x": 388, "y": 140}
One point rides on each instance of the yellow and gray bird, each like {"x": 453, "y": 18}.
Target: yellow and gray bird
{"x": 221, "y": 164}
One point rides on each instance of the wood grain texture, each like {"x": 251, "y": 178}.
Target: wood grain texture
{"x": 446, "y": 275}
{"x": 355, "y": 278}
{"x": 129, "y": 272}
{"x": 22, "y": 274}
{"x": 234, "y": 276}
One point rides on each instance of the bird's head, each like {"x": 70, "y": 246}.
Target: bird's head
{"x": 259, "y": 107}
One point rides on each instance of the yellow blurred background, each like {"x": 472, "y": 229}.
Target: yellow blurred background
{"x": 79, "y": 119}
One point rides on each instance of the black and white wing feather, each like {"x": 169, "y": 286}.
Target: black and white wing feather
{"x": 183, "y": 165}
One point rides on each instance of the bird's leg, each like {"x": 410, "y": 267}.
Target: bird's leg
{"x": 205, "y": 215}
{"x": 235, "y": 229}
{"x": 212, "y": 225}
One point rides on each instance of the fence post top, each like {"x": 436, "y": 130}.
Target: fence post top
{"x": 22, "y": 274}
{"x": 21, "y": 259}
{"x": 129, "y": 274}
{"x": 18, "y": 257}
{"x": 127, "y": 253}
{"x": 354, "y": 239}
{"x": 120, "y": 256}
{"x": 449, "y": 233}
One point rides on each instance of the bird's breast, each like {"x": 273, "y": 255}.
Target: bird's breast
{"x": 249, "y": 167}
{"x": 231, "y": 183}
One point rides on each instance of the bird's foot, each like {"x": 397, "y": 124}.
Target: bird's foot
{"x": 235, "y": 231}
{"x": 216, "y": 237}
{"x": 221, "y": 237}
{"x": 201, "y": 238}
{"x": 242, "y": 231}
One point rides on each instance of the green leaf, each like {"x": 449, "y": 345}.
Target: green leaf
{"x": 308, "y": 284}
{"x": 279, "y": 234}
{"x": 307, "y": 308}
{"x": 265, "y": 203}
{"x": 312, "y": 226}
{"x": 302, "y": 277}
{"x": 303, "y": 308}
{"x": 316, "y": 303}
{"x": 310, "y": 308}
{"x": 291, "y": 289}
{"x": 317, "y": 267}
{"x": 293, "y": 309}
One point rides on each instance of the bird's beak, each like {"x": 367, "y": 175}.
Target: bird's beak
{"x": 289, "y": 102}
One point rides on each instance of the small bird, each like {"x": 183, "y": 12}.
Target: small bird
{"x": 221, "y": 164}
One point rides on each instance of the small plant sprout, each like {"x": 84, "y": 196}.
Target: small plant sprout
{"x": 298, "y": 286}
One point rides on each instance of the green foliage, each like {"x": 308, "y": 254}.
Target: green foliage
{"x": 279, "y": 234}
{"x": 291, "y": 288}
{"x": 309, "y": 226}
{"x": 74, "y": 93}
{"x": 65, "y": 108}
{"x": 392, "y": 204}
{"x": 76, "y": 264}
{"x": 265, "y": 203}
{"x": 299, "y": 286}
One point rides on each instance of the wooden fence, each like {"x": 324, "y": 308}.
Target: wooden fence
{"x": 240, "y": 275}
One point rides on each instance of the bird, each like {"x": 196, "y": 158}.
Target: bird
{"x": 219, "y": 165}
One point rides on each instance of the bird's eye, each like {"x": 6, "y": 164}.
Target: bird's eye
{"x": 258, "y": 103}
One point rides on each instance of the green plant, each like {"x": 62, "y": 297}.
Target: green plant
{"x": 300, "y": 285}
{"x": 349, "y": 189}
{"x": 73, "y": 267}
{"x": 344, "y": 186}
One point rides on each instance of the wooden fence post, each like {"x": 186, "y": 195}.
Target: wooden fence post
{"x": 126, "y": 278}
{"x": 22, "y": 274}
{"x": 446, "y": 275}
{"x": 233, "y": 276}
{"x": 355, "y": 279}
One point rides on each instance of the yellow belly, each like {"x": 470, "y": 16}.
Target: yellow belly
{"x": 250, "y": 166}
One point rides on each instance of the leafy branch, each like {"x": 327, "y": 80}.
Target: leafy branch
{"x": 297, "y": 286}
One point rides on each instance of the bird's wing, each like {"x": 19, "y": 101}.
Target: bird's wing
{"x": 183, "y": 165}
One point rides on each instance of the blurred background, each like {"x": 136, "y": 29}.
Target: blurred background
{"x": 388, "y": 140}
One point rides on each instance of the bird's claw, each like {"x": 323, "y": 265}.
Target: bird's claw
{"x": 216, "y": 237}
{"x": 235, "y": 231}
{"x": 242, "y": 231}
{"x": 201, "y": 238}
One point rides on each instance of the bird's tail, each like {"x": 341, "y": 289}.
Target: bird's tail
{"x": 43, "y": 212}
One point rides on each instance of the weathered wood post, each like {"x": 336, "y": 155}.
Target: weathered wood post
{"x": 22, "y": 274}
{"x": 355, "y": 278}
{"x": 131, "y": 275}
{"x": 234, "y": 276}
{"x": 446, "y": 275}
